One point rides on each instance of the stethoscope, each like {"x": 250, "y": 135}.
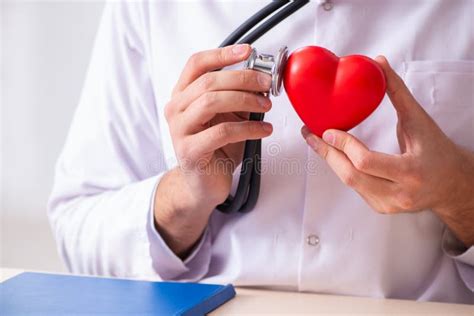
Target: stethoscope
{"x": 272, "y": 14}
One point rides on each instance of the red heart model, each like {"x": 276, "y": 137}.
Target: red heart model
{"x": 331, "y": 92}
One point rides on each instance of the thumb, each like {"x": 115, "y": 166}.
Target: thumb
{"x": 412, "y": 118}
{"x": 397, "y": 91}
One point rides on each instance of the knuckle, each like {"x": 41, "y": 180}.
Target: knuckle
{"x": 223, "y": 131}
{"x": 205, "y": 103}
{"x": 406, "y": 201}
{"x": 222, "y": 56}
{"x": 188, "y": 152}
{"x": 194, "y": 60}
{"x": 363, "y": 161}
{"x": 209, "y": 98}
{"x": 349, "y": 178}
{"x": 389, "y": 209}
{"x": 381, "y": 209}
{"x": 168, "y": 111}
{"x": 244, "y": 77}
{"x": 394, "y": 90}
{"x": 244, "y": 98}
{"x": 345, "y": 142}
{"x": 255, "y": 128}
{"x": 206, "y": 81}
{"x": 323, "y": 151}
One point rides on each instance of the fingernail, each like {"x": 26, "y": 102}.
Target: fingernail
{"x": 328, "y": 138}
{"x": 263, "y": 102}
{"x": 312, "y": 142}
{"x": 239, "y": 49}
{"x": 267, "y": 127}
{"x": 264, "y": 80}
{"x": 304, "y": 131}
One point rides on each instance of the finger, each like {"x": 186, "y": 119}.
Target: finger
{"x": 367, "y": 161}
{"x": 209, "y": 104}
{"x": 209, "y": 60}
{"x": 336, "y": 159}
{"x": 222, "y": 134}
{"x": 364, "y": 184}
{"x": 397, "y": 91}
{"x": 240, "y": 80}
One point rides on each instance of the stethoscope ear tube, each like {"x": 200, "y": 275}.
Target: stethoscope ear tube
{"x": 248, "y": 189}
{"x": 251, "y": 22}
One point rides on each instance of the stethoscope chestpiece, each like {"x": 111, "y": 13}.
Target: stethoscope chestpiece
{"x": 272, "y": 65}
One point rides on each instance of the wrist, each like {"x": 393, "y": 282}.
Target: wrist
{"x": 458, "y": 189}
{"x": 456, "y": 210}
{"x": 180, "y": 216}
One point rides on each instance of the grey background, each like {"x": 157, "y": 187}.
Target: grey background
{"x": 45, "y": 50}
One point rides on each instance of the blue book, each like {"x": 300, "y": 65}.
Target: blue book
{"x": 51, "y": 294}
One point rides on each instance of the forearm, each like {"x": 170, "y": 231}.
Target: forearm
{"x": 181, "y": 215}
{"x": 103, "y": 233}
{"x": 458, "y": 212}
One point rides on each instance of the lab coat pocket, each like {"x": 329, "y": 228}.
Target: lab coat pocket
{"x": 446, "y": 90}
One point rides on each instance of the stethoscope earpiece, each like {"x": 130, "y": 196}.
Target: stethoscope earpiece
{"x": 272, "y": 65}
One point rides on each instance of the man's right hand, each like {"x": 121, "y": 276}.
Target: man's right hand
{"x": 208, "y": 120}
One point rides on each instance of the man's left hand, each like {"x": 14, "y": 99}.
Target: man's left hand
{"x": 431, "y": 172}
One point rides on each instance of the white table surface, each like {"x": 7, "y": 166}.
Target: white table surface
{"x": 264, "y": 302}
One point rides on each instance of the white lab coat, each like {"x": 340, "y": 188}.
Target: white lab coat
{"x": 308, "y": 232}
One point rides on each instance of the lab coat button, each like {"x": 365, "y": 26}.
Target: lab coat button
{"x": 312, "y": 240}
{"x": 327, "y": 5}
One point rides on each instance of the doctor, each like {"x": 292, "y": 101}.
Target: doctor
{"x": 386, "y": 210}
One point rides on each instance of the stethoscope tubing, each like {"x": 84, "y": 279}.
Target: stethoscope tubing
{"x": 251, "y": 22}
{"x": 248, "y": 189}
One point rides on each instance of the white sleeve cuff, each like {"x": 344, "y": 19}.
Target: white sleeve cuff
{"x": 463, "y": 256}
{"x": 456, "y": 250}
{"x": 169, "y": 266}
